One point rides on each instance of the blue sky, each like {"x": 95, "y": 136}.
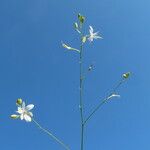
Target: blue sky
{"x": 34, "y": 67}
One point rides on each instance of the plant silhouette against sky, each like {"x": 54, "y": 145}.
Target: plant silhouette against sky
{"x": 24, "y": 112}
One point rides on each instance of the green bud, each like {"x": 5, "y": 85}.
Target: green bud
{"x": 70, "y": 48}
{"x": 81, "y": 18}
{"x": 83, "y": 39}
{"x": 19, "y": 101}
{"x": 14, "y": 116}
{"x": 66, "y": 46}
{"x": 126, "y": 75}
{"x": 76, "y": 25}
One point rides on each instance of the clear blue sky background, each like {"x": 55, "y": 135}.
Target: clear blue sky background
{"x": 35, "y": 67}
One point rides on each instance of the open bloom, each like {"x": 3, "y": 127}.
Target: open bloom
{"x": 93, "y": 35}
{"x": 24, "y": 112}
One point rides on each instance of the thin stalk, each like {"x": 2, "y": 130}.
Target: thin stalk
{"x": 118, "y": 85}
{"x": 81, "y": 95}
{"x": 51, "y": 135}
{"x": 96, "y": 108}
{"x": 103, "y": 101}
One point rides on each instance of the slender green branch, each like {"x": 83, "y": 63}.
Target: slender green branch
{"x": 81, "y": 83}
{"x": 103, "y": 101}
{"x": 81, "y": 95}
{"x": 118, "y": 85}
{"x": 96, "y": 108}
{"x": 51, "y": 135}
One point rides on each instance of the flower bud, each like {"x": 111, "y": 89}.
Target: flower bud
{"x": 83, "y": 39}
{"x": 19, "y": 101}
{"x": 66, "y": 46}
{"x": 126, "y": 75}
{"x": 14, "y": 116}
{"x": 70, "y": 48}
{"x": 81, "y": 18}
{"x": 76, "y": 25}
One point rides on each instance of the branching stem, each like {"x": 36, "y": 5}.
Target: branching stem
{"x": 81, "y": 78}
{"x": 103, "y": 101}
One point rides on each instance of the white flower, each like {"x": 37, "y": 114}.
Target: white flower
{"x": 93, "y": 35}
{"x": 24, "y": 112}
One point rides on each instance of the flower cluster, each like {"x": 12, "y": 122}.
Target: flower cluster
{"x": 78, "y": 27}
{"x": 23, "y": 111}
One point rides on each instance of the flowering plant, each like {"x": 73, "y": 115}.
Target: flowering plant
{"x": 24, "y": 112}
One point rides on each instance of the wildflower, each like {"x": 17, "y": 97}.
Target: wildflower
{"x": 24, "y": 112}
{"x": 93, "y": 35}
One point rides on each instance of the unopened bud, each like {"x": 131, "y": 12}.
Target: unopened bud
{"x": 14, "y": 116}
{"x": 126, "y": 75}
{"x": 83, "y": 39}
{"x": 19, "y": 101}
{"x": 66, "y": 46}
{"x": 81, "y": 18}
{"x": 76, "y": 25}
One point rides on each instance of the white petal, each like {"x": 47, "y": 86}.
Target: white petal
{"x": 97, "y": 37}
{"x": 96, "y": 33}
{"x": 31, "y": 114}
{"x": 23, "y": 105}
{"x": 29, "y": 107}
{"x": 90, "y": 39}
{"x": 91, "y": 29}
{"x": 21, "y": 116}
{"x": 27, "y": 118}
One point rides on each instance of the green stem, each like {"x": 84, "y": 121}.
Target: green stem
{"x": 81, "y": 95}
{"x": 103, "y": 101}
{"x": 93, "y": 112}
{"x": 51, "y": 135}
{"x": 118, "y": 85}
{"x": 82, "y": 136}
